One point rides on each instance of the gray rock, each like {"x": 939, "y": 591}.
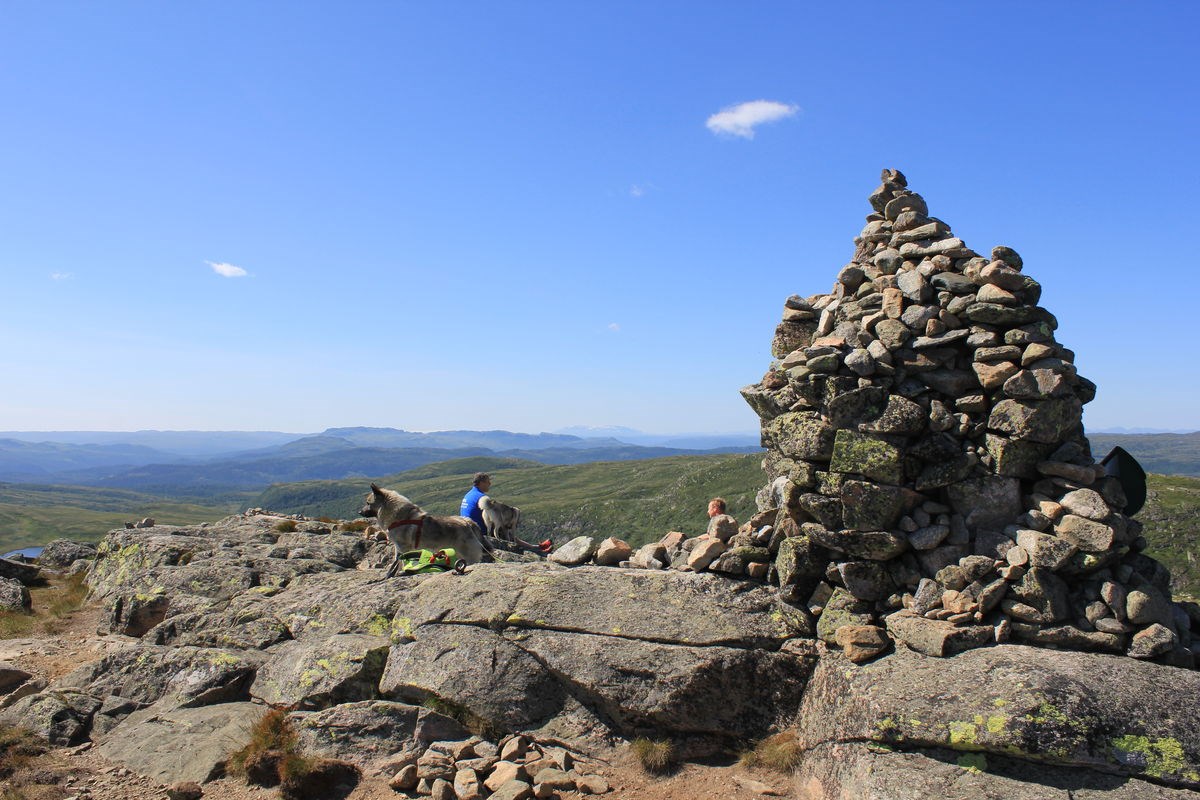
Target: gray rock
{"x": 1043, "y": 706}
{"x": 1045, "y": 550}
{"x": 60, "y": 716}
{"x": 62, "y": 553}
{"x": 317, "y": 673}
{"x": 1045, "y": 421}
{"x": 178, "y": 676}
{"x": 935, "y": 637}
{"x": 872, "y": 545}
{"x": 579, "y": 550}
{"x": 181, "y": 744}
{"x": 27, "y": 574}
{"x": 866, "y": 580}
{"x": 1152, "y": 641}
{"x": 1088, "y": 535}
{"x": 14, "y": 597}
{"x": 368, "y": 733}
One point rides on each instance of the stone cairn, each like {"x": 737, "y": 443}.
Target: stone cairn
{"x": 929, "y": 478}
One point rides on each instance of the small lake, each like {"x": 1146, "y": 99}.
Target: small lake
{"x": 28, "y": 552}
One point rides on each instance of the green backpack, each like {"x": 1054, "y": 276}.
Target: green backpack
{"x": 415, "y": 562}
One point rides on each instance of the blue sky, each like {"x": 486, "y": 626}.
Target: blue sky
{"x": 513, "y": 215}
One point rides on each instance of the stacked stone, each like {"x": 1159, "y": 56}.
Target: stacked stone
{"x": 517, "y": 768}
{"x": 724, "y": 547}
{"x": 928, "y": 469}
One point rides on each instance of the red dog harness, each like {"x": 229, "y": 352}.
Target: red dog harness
{"x": 420, "y": 523}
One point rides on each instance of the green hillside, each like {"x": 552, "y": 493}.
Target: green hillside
{"x": 636, "y": 500}
{"x": 1172, "y": 525}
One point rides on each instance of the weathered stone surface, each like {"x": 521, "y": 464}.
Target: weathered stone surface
{"x": 1045, "y": 421}
{"x": 181, "y": 744}
{"x": 1056, "y": 707}
{"x": 317, "y": 673}
{"x": 62, "y": 553}
{"x": 177, "y": 676}
{"x": 866, "y": 580}
{"x": 27, "y": 574}
{"x": 987, "y": 502}
{"x": 613, "y": 551}
{"x": 14, "y": 597}
{"x": 1088, "y": 535}
{"x": 1043, "y": 550}
{"x": 370, "y": 733}
{"x": 872, "y": 545}
{"x": 869, "y": 772}
{"x": 801, "y": 434}
{"x": 863, "y": 454}
{"x": 575, "y": 552}
{"x": 862, "y": 642}
{"x": 935, "y": 637}
{"x": 60, "y": 716}
{"x": 868, "y": 506}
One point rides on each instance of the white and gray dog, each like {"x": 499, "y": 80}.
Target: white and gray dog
{"x": 500, "y": 520}
{"x": 410, "y": 528}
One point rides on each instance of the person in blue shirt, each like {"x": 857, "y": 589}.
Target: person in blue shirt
{"x": 471, "y": 510}
{"x": 470, "y": 502}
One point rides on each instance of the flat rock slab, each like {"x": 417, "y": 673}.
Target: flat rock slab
{"x": 862, "y": 772}
{"x": 369, "y": 733}
{"x": 318, "y": 673}
{"x": 521, "y": 679}
{"x": 1060, "y": 707}
{"x": 181, "y": 744}
{"x": 689, "y": 608}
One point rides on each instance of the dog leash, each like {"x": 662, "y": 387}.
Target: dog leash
{"x": 420, "y": 523}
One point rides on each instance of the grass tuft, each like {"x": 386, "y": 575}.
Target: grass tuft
{"x": 273, "y": 750}
{"x": 17, "y": 747}
{"x": 285, "y": 526}
{"x": 53, "y": 601}
{"x": 355, "y": 526}
{"x": 780, "y": 752}
{"x": 657, "y": 756}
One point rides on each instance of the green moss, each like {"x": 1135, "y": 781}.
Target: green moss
{"x": 973, "y": 762}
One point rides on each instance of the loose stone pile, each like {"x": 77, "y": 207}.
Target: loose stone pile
{"x": 516, "y": 768}
{"x": 723, "y": 548}
{"x": 928, "y": 469}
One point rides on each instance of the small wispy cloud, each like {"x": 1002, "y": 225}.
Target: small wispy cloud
{"x": 61, "y": 276}
{"x": 637, "y": 191}
{"x": 614, "y": 327}
{"x": 227, "y": 270}
{"x": 742, "y": 119}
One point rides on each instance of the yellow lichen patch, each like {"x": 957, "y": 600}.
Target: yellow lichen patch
{"x": 402, "y": 629}
{"x": 1158, "y": 758}
{"x": 962, "y": 735}
{"x": 999, "y": 702}
{"x": 378, "y": 625}
{"x": 223, "y": 659}
{"x": 996, "y": 724}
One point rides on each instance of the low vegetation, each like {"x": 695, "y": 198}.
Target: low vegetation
{"x": 285, "y": 526}
{"x": 53, "y": 601}
{"x": 273, "y": 757}
{"x": 17, "y": 748}
{"x": 656, "y": 756}
{"x": 780, "y": 752}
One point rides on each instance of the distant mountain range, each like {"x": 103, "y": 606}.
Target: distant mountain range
{"x": 200, "y": 464}
{"x": 182, "y": 464}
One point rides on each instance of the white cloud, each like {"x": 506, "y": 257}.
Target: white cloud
{"x": 227, "y": 270}
{"x": 61, "y": 276}
{"x": 740, "y": 120}
{"x": 614, "y": 327}
{"x": 637, "y": 191}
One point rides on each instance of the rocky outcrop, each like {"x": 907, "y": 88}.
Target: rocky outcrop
{"x": 928, "y": 469}
{"x": 1011, "y": 712}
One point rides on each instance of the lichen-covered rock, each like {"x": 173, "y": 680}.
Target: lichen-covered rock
{"x": 1052, "y": 707}
{"x": 317, "y": 673}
